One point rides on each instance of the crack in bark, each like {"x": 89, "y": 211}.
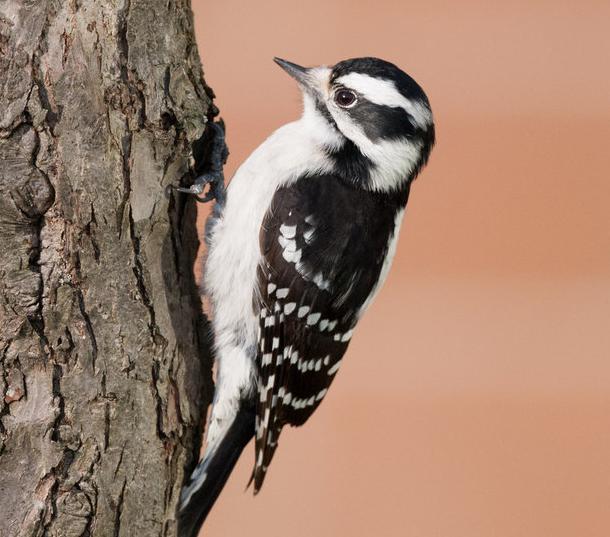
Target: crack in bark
{"x": 56, "y": 474}
{"x": 120, "y": 461}
{"x": 56, "y": 390}
{"x": 119, "y": 510}
{"x": 154, "y": 373}
{"x": 122, "y": 41}
{"x": 88, "y": 325}
{"x": 106, "y": 425}
{"x": 126, "y": 155}
{"x": 138, "y": 272}
{"x": 89, "y": 231}
{"x": 4, "y": 407}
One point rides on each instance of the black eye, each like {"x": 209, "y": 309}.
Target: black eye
{"x": 345, "y": 98}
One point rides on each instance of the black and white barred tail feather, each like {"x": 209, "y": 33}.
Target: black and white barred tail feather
{"x": 211, "y": 474}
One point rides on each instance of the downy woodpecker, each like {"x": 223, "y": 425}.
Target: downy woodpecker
{"x": 298, "y": 248}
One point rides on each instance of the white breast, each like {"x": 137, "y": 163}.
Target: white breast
{"x": 230, "y": 274}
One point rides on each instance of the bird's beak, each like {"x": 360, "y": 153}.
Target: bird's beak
{"x": 303, "y": 75}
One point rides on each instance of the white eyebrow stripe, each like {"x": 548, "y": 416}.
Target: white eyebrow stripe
{"x": 384, "y": 92}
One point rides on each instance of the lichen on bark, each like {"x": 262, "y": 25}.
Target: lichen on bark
{"x": 104, "y": 366}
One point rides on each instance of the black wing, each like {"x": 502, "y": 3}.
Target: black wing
{"x": 323, "y": 242}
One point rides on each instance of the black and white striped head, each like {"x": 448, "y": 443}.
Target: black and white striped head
{"x": 371, "y": 117}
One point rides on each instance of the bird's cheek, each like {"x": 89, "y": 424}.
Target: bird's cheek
{"x": 333, "y": 110}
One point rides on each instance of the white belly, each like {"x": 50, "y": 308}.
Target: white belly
{"x": 230, "y": 271}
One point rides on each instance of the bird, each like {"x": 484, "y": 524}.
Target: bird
{"x": 298, "y": 246}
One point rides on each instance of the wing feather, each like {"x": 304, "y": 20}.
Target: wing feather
{"x": 323, "y": 243}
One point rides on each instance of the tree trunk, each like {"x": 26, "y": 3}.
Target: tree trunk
{"x": 104, "y": 366}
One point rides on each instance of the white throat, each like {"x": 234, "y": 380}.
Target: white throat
{"x": 317, "y": 126}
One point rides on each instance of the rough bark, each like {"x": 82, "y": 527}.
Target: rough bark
{"x": 103, "y": 369}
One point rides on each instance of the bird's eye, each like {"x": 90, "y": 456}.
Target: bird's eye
{"x": 345, "y": 98}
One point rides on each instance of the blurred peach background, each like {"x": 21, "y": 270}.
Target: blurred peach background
{"x": 475, "y": 398}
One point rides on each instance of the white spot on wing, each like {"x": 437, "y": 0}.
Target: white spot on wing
{"x": 292, "y": 257}
{"x": 321, "y": 394}
{"x": 282, "y": 293}
{"x": 319, "y": 280}
{"x": 289, "y": 245}
{"x": 288, "y": 231}
{"x": 313, "y": 318}
{"x": 334, "y": 368}
{"x": 347, "y": 336}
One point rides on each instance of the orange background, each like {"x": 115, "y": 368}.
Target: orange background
{"x": 475, "y": 397}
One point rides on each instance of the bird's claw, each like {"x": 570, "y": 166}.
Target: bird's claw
{"x": 195, "y": 189}
{"x": 215, "y": 177}
{"x": 216, "y": 191}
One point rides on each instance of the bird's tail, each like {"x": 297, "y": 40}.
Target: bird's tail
{"x": 211, "y": 474}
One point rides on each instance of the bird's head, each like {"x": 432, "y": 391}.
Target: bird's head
{"x": 370, "y": 116}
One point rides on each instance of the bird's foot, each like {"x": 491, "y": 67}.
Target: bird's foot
{"x": 216, "y": 190}
{"x": 215, "y": 176}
